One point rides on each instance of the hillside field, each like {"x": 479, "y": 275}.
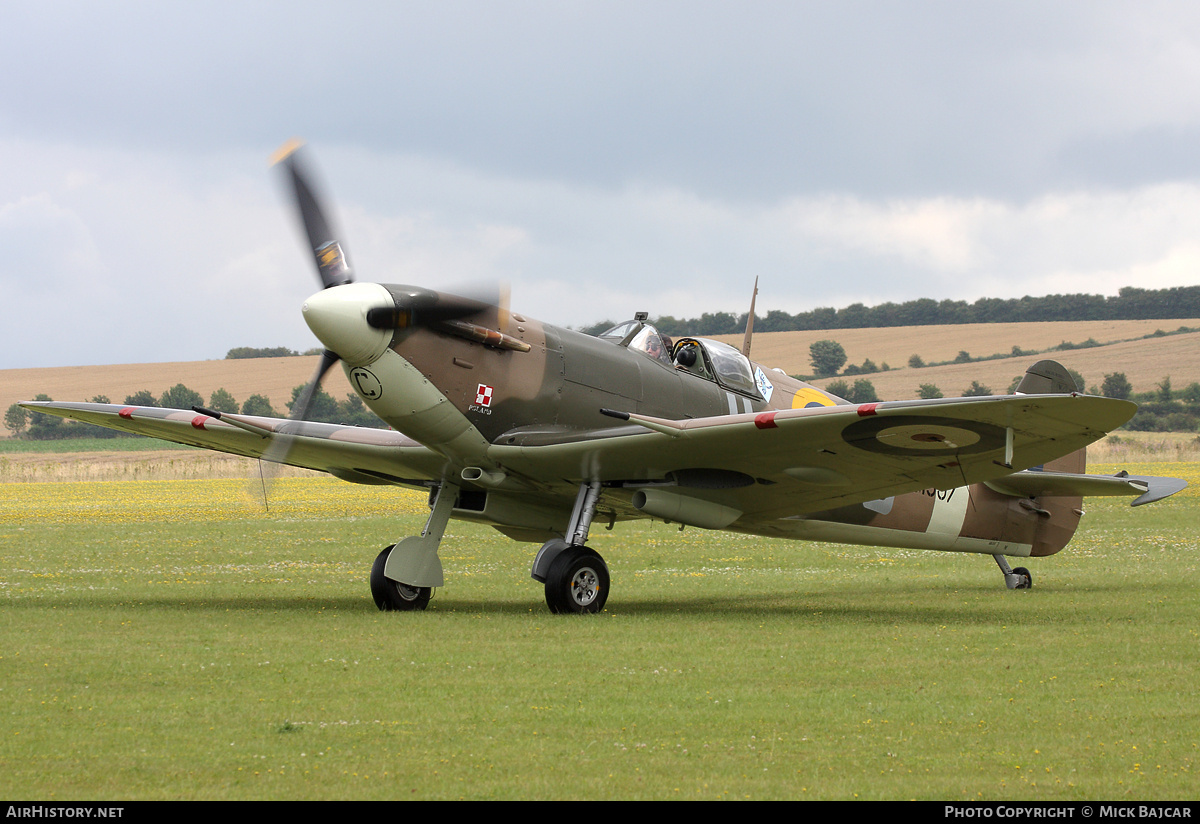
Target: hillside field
{"x": 1144, "y": 362}
{"x": 274, "y": 378}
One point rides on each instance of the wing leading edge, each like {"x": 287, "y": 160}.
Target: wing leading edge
{"x": 353, "y": 453}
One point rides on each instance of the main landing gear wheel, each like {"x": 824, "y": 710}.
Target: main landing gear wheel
{"x": 577, "y": 582}
{"x": 393, "y": 596}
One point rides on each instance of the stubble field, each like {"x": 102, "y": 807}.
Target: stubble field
{"x": 1123, "y": 347}
{"x": 168, "y": 639}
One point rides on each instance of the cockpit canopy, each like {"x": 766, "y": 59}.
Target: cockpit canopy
{"x": 732, "y": 368}
{"x": 704, "y": 358}
{"x": 621, "y": 331}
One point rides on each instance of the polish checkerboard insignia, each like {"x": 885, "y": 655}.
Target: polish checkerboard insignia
{"x": 483, "y": 395}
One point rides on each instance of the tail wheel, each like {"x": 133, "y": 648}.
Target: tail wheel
{"x": 577, "y": 582}
{"x": 393, "y": 596}
{"x": 1026, "y": 581}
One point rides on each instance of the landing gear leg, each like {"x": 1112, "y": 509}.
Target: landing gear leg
{"x": 1018, "y": 578}
{"x": 405, "y": 573}
{"x": 575, "y": 576}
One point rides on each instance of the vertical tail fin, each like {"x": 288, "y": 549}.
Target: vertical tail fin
{"x": 1061, "y": 514}
{"x": 1047, "y": 377}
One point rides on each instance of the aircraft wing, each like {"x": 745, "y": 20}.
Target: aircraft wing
{"x": 353, "y": 453}
{"x": 767, "y": 465}
{"x": 754, "y": 467}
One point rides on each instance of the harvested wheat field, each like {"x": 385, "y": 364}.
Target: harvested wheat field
{"x": 274, "y": 378}
{"x": 894, "y": 345}
{"x": 1145, "y": 361}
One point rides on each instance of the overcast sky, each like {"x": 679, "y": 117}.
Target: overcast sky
{"x": 599, "y": 157}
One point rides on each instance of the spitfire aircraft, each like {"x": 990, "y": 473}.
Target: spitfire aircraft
{"x": 542, "y": 432}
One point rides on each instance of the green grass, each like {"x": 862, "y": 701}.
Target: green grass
{"x": 164, "y": 641}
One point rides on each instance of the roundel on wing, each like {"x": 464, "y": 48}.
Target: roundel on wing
{"x": 922, "y": 437}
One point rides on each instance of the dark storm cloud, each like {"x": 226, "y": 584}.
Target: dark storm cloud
{"x": 764, "y": 100}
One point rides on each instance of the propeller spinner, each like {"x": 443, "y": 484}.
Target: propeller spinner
{"x": 357, "y": 321}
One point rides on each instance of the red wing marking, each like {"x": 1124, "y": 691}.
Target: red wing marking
{"x": 765, "y": 420}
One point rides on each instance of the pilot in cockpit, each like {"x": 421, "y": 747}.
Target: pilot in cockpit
{"x": 650, "y": 342}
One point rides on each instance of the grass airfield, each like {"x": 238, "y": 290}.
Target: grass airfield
{"x": 171, "y": 640}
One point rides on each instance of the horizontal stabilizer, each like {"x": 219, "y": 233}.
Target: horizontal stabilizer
{"x": 1038, "y": 484}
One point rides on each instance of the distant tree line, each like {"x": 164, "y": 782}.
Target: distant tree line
{"x": 242, "y": 352}
{"x": 1162, "y": 409}
{"x": 1130, "y": 303}
{"x": 38, "y": 426}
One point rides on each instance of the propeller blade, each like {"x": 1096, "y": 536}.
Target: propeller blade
{"x": 333, "y": 268}
{"x": 414, "y": 306}
{"x": 277, "y": 452}
{"x": 304, "y": 401}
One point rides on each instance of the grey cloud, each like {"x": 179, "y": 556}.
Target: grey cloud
{"x": 603, "y": 157}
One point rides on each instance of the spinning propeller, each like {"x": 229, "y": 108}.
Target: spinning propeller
{"x": 356, "y": 321}
{"x": 337, "y": 317}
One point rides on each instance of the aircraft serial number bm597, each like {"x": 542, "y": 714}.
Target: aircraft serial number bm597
{"x": 539, "y": 431}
